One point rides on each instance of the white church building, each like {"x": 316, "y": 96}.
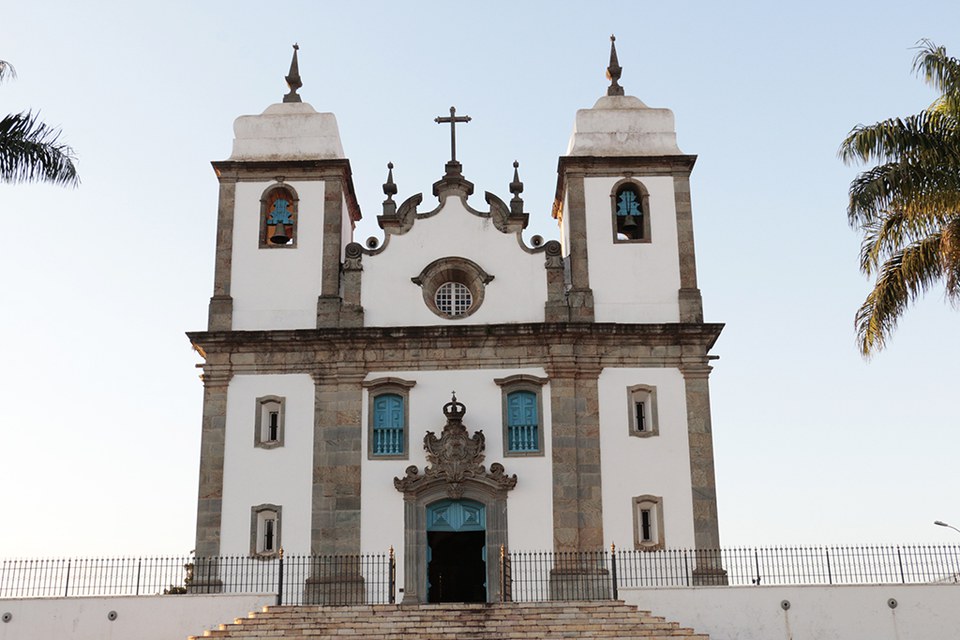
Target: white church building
{"x": 580, "y": 368}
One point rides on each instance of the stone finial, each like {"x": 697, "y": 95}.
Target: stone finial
{"x": 293, "y": 78}
{"x": 516, "y": 188}
{"x": 614, "y": 70}
{"x": 389, "y": 190}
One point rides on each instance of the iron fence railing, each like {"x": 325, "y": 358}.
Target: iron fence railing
{"x": 531, "y": 576}
{"x": 343, "y": 579}
{"x": 523, "y": 575}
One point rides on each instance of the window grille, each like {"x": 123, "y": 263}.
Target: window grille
{"x": 453, "y": 298}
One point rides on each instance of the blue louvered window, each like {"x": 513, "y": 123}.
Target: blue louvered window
{"x": 388, "y": 425}
{"x": 523, "y": 423}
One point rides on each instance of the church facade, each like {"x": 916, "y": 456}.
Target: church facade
{"x": 455, "y": 388}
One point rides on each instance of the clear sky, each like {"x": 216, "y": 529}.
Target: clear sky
{"x": 100, "y": 399}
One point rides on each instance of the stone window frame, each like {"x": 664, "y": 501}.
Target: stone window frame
{"x": 256, "y": 513}
{"x": 648, "y": 395}
{"x": 259, "y": 441}
{"x": 396, "y": 386}
{"x": 653, "y": 504}
{"x": 265, "y": 203}
{"x": 644, "y": 206}
{"x": 452, "y": 269}
{"x": 522, "y": 382}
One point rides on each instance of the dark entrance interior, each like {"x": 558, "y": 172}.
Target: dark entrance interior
{"x": 457, "y": 571}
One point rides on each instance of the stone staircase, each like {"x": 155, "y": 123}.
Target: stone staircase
{"x": 510, "y": 621}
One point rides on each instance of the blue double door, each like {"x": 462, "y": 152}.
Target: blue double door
{"x": 456, "y": 551}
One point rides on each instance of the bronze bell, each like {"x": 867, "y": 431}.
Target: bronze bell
{"x": 280, "y": 235}
{"x": 630, "y": 223}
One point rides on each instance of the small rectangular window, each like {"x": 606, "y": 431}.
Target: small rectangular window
{"x": 268, "y": 428}
{"x": 642, "y": 407}
{"x": 265, "y": 530}
{"x": 648, "y": 523}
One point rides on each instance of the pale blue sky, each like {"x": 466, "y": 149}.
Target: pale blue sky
{"x": 101, "y": 403}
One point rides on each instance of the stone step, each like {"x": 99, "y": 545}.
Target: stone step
{"x": 508, "y": 621}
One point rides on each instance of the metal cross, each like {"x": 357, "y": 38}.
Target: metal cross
{"x": 453, "y": 120}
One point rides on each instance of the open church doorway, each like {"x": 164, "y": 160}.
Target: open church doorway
{"x": 456, "y": 551}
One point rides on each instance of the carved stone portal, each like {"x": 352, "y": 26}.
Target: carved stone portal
{"x": 455, "y": 457}
{"x": 455, "y": 471}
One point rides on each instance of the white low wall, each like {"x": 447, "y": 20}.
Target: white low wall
{"x": 139, "y": 617}
{"x": 922, "y": 612}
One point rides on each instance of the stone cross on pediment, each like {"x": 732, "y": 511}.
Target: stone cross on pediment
{"x": 455, "y": 458}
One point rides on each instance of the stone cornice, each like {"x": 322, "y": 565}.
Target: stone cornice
{"x": 565, "y": 349}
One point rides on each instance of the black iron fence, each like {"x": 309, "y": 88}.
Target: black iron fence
{"x": 534, "y": 576}
{"x": 523, "y": 576}
{"x": 344, "y": 579}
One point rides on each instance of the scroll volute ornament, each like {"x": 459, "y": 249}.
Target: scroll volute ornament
{"x": 455, "y": 457}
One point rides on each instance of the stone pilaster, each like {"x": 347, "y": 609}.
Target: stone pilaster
{"x": 702, "y": 476}
{"x": 220, "y": 314}
{"x": 210, "y": 494}
{"x": 328, "y": 305}
{"x": 575, "y": 443}
{"x": 691, "y": 304}
{"x": 580, "y": 296}
{"x": 337, "y": 456}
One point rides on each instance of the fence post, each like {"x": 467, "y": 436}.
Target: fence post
{"x": 756, "y": 562}
{"x": 900, "y": 561}
{"x": 686, "y": 567}
{"x": 829, "y": 572}
{"x": 613, "y": 570}
{"x": 66, "y": 586}
{"x": 392, "y": 596}
{"x": 280, "y": 580}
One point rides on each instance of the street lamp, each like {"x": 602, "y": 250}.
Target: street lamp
{"x": 941, "y": 523}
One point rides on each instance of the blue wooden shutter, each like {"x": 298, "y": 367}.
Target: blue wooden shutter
{"x": 388, "y": 425}
{"x": 522, "y": 422}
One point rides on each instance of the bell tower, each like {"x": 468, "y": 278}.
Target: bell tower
{"x": 623, "y": 204}
{"x": 286, "y": 213}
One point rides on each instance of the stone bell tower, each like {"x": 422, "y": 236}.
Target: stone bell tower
{"x": 623, "y": 203}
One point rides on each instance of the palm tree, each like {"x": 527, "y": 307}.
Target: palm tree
{"x": 30, "y": 150}
{"x": 908, "y": 205}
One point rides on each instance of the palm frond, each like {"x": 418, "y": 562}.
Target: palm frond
{"x": 931, "y": 190}
{"x": 929, "y": 136}
{"x": 30, "y": 150}
{"x": 941, "y": 72}
{"x": 887, "y": 236}
{"x": 902, "y": 278}
{"x": 7, "y": 71}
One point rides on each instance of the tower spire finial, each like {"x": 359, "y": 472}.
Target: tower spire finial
{"x": 614, "y": 70}
{"x": 293, "y": 78}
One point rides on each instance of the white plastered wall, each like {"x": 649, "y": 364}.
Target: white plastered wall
{"x": 633, "y": 282}
{"x": 516, "y": 294}
{"x": 282, "y": 476}
{"x": 529, "y": 504}
{"x": 276, "y": 288}
{"x": 656, "y": 465}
